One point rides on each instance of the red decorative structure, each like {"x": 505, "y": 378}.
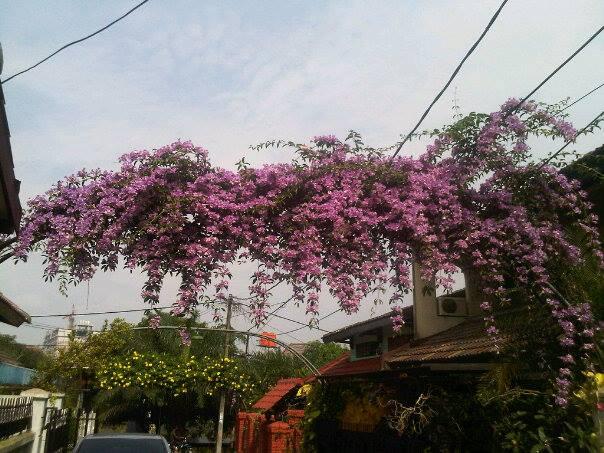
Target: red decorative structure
{"x": 265, "y": 342}
{"x": 261, "y": 433}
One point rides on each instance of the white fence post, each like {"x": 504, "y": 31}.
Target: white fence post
{"x": 41, "y": 401}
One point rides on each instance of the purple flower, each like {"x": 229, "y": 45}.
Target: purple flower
{"x": 185, "y": 336}
{"x": 155, "y": 321}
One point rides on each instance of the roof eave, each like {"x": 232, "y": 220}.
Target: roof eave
{"x": 9, "y": 184}
{"x": 11, "y": 314}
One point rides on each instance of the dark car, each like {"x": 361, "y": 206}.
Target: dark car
{"x": 122, "y": 443}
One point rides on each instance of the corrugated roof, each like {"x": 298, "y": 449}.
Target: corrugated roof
{"x": 465, "y": 340}
{"x": 283, "y": 388}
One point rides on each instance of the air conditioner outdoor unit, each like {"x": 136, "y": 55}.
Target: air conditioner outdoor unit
{"x": 451, "y": 306}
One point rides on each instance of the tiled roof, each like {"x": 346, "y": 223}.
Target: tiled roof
{"x": 465, "y": 339}
{"x": 354, "y": 367}
{"x": 343, "y": 366}
{"x": 468, "y": 339}
{"x": 277, "y": 393}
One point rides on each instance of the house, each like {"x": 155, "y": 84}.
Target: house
{"x": 451, "y": 323}
{"x": 443, "y": 344}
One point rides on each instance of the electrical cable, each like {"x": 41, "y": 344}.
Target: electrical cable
{"x": 312, "y": 327}
{"x": 75, "y": 42}
{"x": 273, "y": 312}
{"x": 582, "y": 97}
{"x": 285, "y": 318}
{"x": 93, "y": 313}
{"x": 544, "y": 81}
{"x": 591, "y": 123}
{"x": 467, "y": 55}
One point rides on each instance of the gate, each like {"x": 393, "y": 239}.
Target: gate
{"x": 57, "y": 424}
{"x": 86, "y": 423}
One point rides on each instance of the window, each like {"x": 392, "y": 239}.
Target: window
{"x": 368, "y": 349}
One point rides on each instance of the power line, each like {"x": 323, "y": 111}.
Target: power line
{"x": 285, "y": 318}
{"x": 281, "y": 332}
{"x": 76, "y": 42}
{"x": 544, "y": 81}
{"x": 309, "y": 326}
{"x": 111, "y": 312}
{"x": 568, "y": 142}
{"x": 272, "y": 313}
{"x": 467, "y": 55}
{"x": 582, "y": 97}
{"x": 93, "y": 313}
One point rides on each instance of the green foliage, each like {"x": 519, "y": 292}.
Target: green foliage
{"x": 323, "y": 402}
{"x": 25, "y": 356}
{"x": 267, "y": 367}
{"x": 66, "y": 370}
{"x": 169, "y": 375}
{"x": 529, "y": 422}
{"x": 82, "y": 364}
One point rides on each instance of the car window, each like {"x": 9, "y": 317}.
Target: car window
{"x": 121, "y": 445}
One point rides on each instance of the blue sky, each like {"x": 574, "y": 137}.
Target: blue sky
{"x": 231, "y": 74}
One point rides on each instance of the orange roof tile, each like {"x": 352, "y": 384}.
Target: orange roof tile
{"x": 343, "y": 366}
{"x": 277, "y": 393}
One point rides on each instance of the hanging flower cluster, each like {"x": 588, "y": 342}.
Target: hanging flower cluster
{"x": 341, "y": 217}
{"x": 176, "y": 375}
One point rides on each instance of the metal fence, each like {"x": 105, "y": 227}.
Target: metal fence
{"x": 57, "y": 425}
{"x": 15, "y": 415}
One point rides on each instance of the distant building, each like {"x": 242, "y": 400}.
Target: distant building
{"x": 59, "y": 337}
{"x": 300, "y": 348}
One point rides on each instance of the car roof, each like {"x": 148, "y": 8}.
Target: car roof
{"x": 128, "y": 435}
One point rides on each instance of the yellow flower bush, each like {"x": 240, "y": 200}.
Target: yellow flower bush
{"x": 175, "y": 375}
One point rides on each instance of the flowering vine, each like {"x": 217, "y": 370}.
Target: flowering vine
{"x": 341, "y": 217}
{"x": 176, "y": 375}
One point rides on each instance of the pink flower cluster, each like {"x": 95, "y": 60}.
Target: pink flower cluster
{"x": 348, "y": 222}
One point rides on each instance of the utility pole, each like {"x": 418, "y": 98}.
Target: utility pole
{"x": 227, "y": 342}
